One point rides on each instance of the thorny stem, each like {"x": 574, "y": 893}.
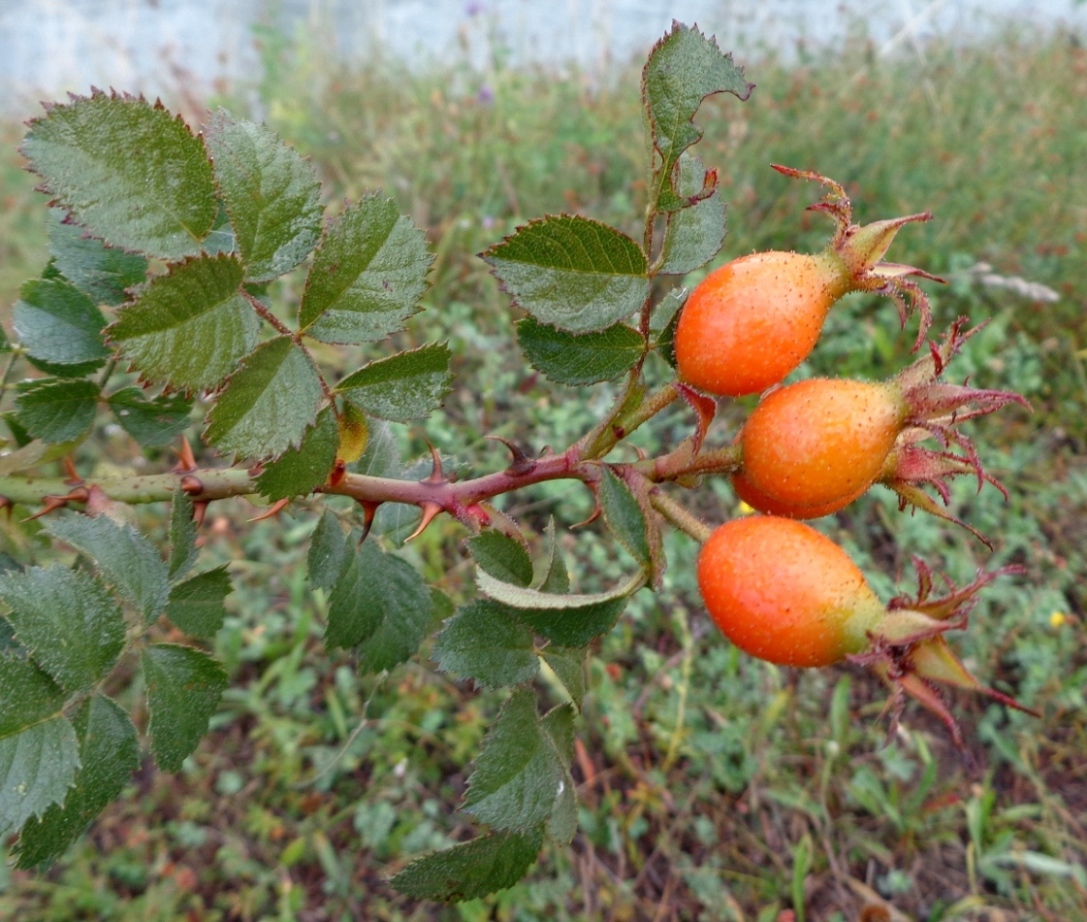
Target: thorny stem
{"x": 685, "y": 521}
{"x": 614, "y": 428}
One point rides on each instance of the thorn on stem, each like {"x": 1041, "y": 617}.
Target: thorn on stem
{"x": 73, "y": 480}
{"x": 199, "y": 512}
{"x": 192, "y": 485}
{"x": 278, "y": 506}
{"x": 53, "y": 503}
{"x": 522, "y": 463}
{"x": 430, "y": 512}
{"x": 437, "y": 475}
{"x": 186, "y": 461}
{"x": 369, "y": 511}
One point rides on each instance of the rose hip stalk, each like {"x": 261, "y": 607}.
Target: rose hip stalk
{"x": 787, "y": 594}
{"x": 752, "y": 321}
{"x": 813, "y": 447}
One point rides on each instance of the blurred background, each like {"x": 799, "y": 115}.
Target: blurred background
{"x": 712, "y": 786}
{"x": 55, "y": 46}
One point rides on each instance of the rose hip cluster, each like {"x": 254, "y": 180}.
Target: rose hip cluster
{"x": 777, "y": 588}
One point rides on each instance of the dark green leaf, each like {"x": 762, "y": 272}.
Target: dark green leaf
{"x": 569, "y": 620}
{"x": 367, "y": 275}
{"x": 57, "y": 411}
{"x": 407, "y": 620}
{"x": 408, "y": 385}
{"x": 568, "y": 664}
{"x": 270, "y": 192}
{"x": 666, "y": 342}
{"x": 190, "y": 327}
{"x": 624, "y": 516}
{"x": 485, "y": 643}
{"x": 381, "y": 606}
{"x": 27, "y": 695}
{"x": 268, "y": 404}
{"x": 128, "y": 171}
{"x": 556, "y": 579}
{"x": 152, "y": 422}
{"x": 59, "y": 325}
{"x": 37, "y": 766}
{"x": 108, "y": 754}
{"x": 684, "y": 68}
{"x": 299, "y": 470}
{"x": 472, "y": 869}
{"x": 503, "y": 556}
{"x": 183, "y": 689}
{"x": 183, "y": 550}
{"x": 67, "y": 620}
{"x": 327, "y": 552}
{"x": 694, "y": 234}
{"x": 518, "y": 773}
{"x": 587, "y": 358}
{"x": 102, "y": 272}
{"x": 125, "y": 558}
{"x": 197, "y": 605}
{"x": 572, "y": 273}
{"x": 558, "y": 724}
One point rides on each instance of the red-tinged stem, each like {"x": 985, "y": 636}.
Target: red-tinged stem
{"x": 208, "y": 484}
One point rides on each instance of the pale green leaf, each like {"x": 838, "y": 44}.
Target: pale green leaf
{"x": 268, "y": 404}
{"x": 270, "y": 193}
{"x": 569, "y": 620}
{"x": 70, "y": 624}
{"x": 37, "y": 767}
{"x": 131, "y": 173}
{"x": 405, "y": 386}
{"x": 108, "y": 754}
{"x": 125, "y": 558}
{"x": 572, "y": 273}
{"x": 367, "y": 275}
{"x": 189, "y": 327}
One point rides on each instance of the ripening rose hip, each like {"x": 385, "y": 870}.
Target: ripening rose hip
{"x": 820, "y": 442}
{"x": 813, "y": 447}
{"x": 752, "y": 321}
{"x": 787, "y": 594}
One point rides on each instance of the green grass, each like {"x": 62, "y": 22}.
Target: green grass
{"x": 712, "y": 786}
